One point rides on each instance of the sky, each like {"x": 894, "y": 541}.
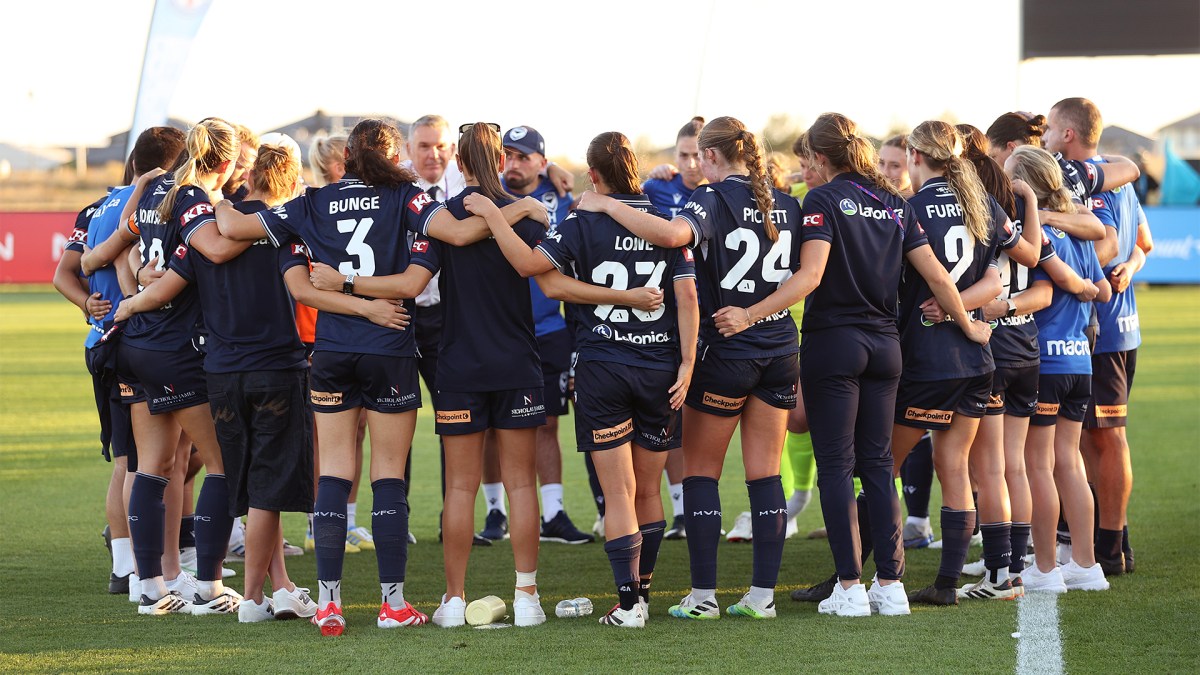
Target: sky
{"x": 569, "y": 69}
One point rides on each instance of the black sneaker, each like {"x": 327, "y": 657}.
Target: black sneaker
{"x": 678, "y": 529}
{"x": 1112, "y": 567}
{"x": 476, "y": 540}
{"x": 932, "y": 595}
{"x": 495, "y": 526}
{"x": 118, "y": 585}
{"x": 562, "y": 530}
{"x": 815, "y": 593}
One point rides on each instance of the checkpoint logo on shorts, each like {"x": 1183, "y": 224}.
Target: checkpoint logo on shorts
{"x": 923, "y": 415}
{"x": 453, "y": 416}
{"x": 723, "y": 402}
{"x": 1047, "y": 408}
{"x": 418, "y": 203}
{"x": 613, "y": 433}
{"x": 1111, "y": 411}
{"x": 126, "y": 390}
{"x": 325, "y": 397}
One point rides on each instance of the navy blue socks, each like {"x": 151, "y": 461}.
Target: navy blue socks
{"x": 146, "y": 520}
{"x": 1019, "y": 536}
{"x": 389, "y": 525}
{"x": 917, "y": 475}
{"x": 768, "y": 516}
{"x": 702, "y": 516}
{"x": 623, "y": 554}
{"x": 213, "y": 525}
{"x": 329, "y": 526}
{"x": 956, "y": 539}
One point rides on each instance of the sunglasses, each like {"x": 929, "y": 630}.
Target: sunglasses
{"x": 467, "y": 127}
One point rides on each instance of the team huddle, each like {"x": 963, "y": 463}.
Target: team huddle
{"x": 967, "y": 313}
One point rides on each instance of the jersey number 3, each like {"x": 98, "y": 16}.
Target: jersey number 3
{"x": 358, "y": 247}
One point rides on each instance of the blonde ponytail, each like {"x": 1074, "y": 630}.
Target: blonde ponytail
{"x": 211, "y": 142}
{"x": 942, "y": 147}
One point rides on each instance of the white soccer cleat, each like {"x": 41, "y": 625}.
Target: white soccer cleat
{"x": 225, "y": 603}
{"x": 625, "y": 618}
{"x": 975, "y": 569}
{"x": 750, "y": 608}
{"x": 743, "y": 529}
{"x": 171, "y": 603}
{"x": 846, "y": 601}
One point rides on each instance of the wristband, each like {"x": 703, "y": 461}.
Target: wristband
{"x": 348, "y": 284}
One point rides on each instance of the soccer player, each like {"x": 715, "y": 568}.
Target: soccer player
{"x": 1052, "y": 455}
{"x": 857, "y": 233}
{"x": 747, "y": 370}
{"x": 893, "y": 164}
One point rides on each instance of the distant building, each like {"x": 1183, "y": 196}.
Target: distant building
{"x": 115, "y": 150}
{"x": 33, "y": 159}
{"x": 1115, "y": 140}
{"x": 1184, "y": 136}
{"x": 304, "y": 130}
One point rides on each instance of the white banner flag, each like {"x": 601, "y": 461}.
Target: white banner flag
{"x": 172, "y": 29}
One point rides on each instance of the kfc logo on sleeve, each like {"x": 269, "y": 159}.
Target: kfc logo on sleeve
{"x": 419, "y": 203}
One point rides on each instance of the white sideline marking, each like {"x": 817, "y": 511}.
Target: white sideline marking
{"x": 1039, "y": 649}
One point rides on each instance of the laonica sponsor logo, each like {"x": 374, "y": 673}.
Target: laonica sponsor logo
{"x": 871, "y": 212}
{"x": 1067, "y": 348}
{"x": 1016, "y": 320}
{"x": 848, "y": 207}
{"x": 453, "y": 416}
{"x": 923, "y": 415}
{"x": 612, "y": 433}
{"x": 325, "y": 397}
{"x": 718, "y": 401}
{"x": 609, "y": 333}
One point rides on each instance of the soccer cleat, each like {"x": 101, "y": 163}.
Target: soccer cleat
{"x": 1129, "y": 566}
{"x": 119, "y": 585}
{"x": 986, "y": 590}
{"x": 107, "y": 535}
{"x": 184, "y": 584}
{"x": 395, "y": 618}
{"x": 917, "y": 535}
{"x": 171, "y": 603}
{"x": 527, "y": 611}
{"x": 678, "y": 529}
{"x": 360, "y": 537}
{"x": 293, "y": 604}
{"x": 846, "y": 601}
{"x": 452, "y": 613}
{"x": 560, "y": 529}
{"x": 975, "y": 569}
{"x": 932, "y": 595}
{"x": 743, "y": 529}
{"x": 135, "y": 588}
{"x": 688, "y": 608}
{"x": 290, "y": 549}
{"x": 815, "y": 593}
{"x": 889, "y": 600}
{"x": 310, "y": 544}
{"x": 645, "y": 605}
{"x": 495, "y": 526}
{"x": 1078, "y": 578}
{"x": 1112, "y": 567}
{"x": 791, "y": 529}
{"x": 225, "y": 603}
{"x": 187, "y": 562}
{"x": 1036, "y": 580}
{"x": 253, "y": 612}
{"x": 330, "y": 620}
{"x": 598, "y": 527}
{"x": 625, "y": 618}
{"x": 752, "y": 609}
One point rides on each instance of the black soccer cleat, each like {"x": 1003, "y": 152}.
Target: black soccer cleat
{"x": 815, "y": 593}
{"x": 932, "y": 595}
{"x": 118, "y": 585}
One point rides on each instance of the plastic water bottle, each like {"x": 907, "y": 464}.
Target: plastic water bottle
{"x": 572, "y": 608}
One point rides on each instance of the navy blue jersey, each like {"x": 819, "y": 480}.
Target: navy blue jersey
{"x": 488, "y": 342}
{"x": 354, "y": 228}
{"x": 178, "y": 323}
{"x": 247, "y": 309}
{"x": 940, "y": 351}
{"x": 738, "y": 265}
{"x": 668, "y": 196}
{"x": 1014, "y": 340}
{"x": 1120, "y": 329}
{"x": 1082, "y": 179}
{"x": 93, "y": 225}
{"x": 1064, "y": 347}
{"x": 868, "y": 235}
{"x": 547, "y": 313}
{"x": 595, "y": 249}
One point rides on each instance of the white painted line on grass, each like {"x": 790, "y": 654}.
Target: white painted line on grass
{"x": 1039, "y": 645}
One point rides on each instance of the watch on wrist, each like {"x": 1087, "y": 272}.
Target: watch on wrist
{"x": 348, "y": 284}
{"x": 1012, "y": 309}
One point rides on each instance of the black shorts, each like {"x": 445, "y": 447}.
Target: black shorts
{"x": 1062, "y": 396}
{"x": 933, "y": 405}
{"x": 461, "y": 413}
{"x": 265, "y": 429}
{"x": 617, "y": 403}
{"x": 116, "y": 426}
{"x": 555, "y": 350}
{"x": 343, "y": 381}
{"x": 1014, "y": 392}
{"x": 1112, "y": 380}
{"x": 166, "y": 381}
{"x": 721, "y": 386}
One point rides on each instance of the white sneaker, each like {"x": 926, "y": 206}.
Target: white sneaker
{"x": 890, "y": 600}
{"x": 622, "y": 618}
{"x": 253, "y": 612}
{"x": 290, "y": 549}
{"x": 452, "y": 613}
{"x": 527, "y": 611}
{"x": 792, "y": 528}
{"x": 846, "y": 601}
{"x": 1062, "y": 553}
{"x": 1047, "y": 582}
{"x": 237, "y": 542}
{"x": 976, "y": 540}
{"x": 135, "y": 588}
{"x": 187, "y": 562}
{"x": 412, "y": 538}
{"x": 975, "y": 569}
{"x": 184, "y": 584}
{"x": 1078, "y": 578}
{"x": 171, "y": 603}
{"x": 645, "y": 605}
{"x": 752, "y": 609}
{"x": 225, "y": 603}
{"x": 598, "y": 527}
{"x": 743, "y": 529}
{"x": 293, "y": 604}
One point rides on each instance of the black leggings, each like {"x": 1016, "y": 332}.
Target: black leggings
{"x": 850, "y": 376}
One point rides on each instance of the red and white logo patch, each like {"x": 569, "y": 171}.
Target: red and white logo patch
{"x": 420, "y": 246}
{"x": 1091, "y": 171}
{"x": 195, "y": 212}
{"x": 419, "y": 202}
{"x": 1094, "y": 203}
{"x": 687, "y": 254}
{"x": 299, "y": 249}
{"x": 77, "y": 235}
{"x": 181, "y": 251}
{"x": 814, "y": 220}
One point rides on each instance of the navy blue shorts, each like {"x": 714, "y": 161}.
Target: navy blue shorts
{"x": 116, "y": 426}
{"x": 166, "y": 381}
{"x": 343, "y": 381}
{"x": 265, "y": 429}
{"x": 617, "y": 403}
{"x": 1112, "y": 380}
{"x": 933, "y": 405}
{"x": 1014, "y": 391}
{"x": 1062, "y": 396}
{"x": 461, "y": 413}
{"x": 555, "y": 350}
{"x": 721, "y": 386}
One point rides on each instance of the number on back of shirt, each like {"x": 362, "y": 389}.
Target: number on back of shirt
{"x": 1014, "y": 278}
{"x": 616, "y": 276}
{"x": 774, "y": 265}
{"x": 960, "y": 250}
{"x": 357, "y": 247}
